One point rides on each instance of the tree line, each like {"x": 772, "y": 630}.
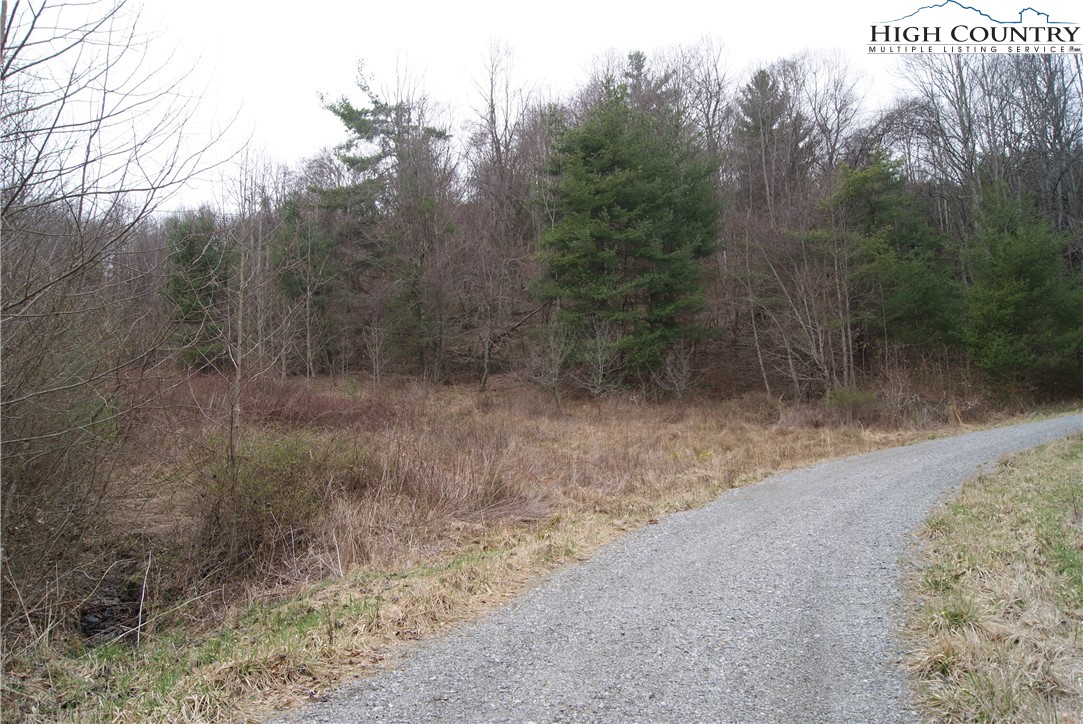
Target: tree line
{"x": 665, "y": 218}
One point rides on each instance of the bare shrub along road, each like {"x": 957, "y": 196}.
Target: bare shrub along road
{"x": 775, "y": 603}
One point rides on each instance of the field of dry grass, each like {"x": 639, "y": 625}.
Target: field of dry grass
{"x": 335, "y": 523}
{"x": 996, "y": 621}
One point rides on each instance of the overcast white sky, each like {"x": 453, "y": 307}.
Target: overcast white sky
{"x": 269, "y": 61}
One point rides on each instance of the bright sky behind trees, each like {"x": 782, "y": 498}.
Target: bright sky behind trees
{"x": 267, "y": 63}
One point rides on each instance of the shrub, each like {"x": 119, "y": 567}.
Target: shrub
{"x": 260, "y": 507}
{"x": 854, "y": 405}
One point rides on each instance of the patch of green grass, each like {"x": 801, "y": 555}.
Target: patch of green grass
{"x": 940, "y": 578}
{"x": 959, "y": 612}
{"x": 995, "y": 631}
{"x": 1062, "y": 528}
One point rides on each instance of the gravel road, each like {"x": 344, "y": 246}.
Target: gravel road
{"x": 775, "y": 603}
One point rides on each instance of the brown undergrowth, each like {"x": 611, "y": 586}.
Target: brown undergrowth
{"x": 270, "y": 554}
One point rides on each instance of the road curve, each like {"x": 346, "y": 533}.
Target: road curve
{"x": 775, "y": 603}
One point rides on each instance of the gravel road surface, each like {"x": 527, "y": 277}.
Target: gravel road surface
{"x": 775, "y": 603}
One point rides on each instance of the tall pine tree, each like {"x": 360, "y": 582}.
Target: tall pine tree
{"x": 197, "y": 288}
{"x": 1025, "y": 321}
{"x": 635, "y": 213}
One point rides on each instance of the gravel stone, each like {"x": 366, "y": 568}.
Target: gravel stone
{"x": 776, "y": 603}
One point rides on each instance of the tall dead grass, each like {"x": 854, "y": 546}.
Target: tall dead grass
{"x": 399, "y": 478}
{"x": 463, "y": 494}
{"x": 995, "y": 631}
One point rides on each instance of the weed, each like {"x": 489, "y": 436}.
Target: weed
{"x": 940, "y": 578}
{"x": 993, "y": 633}
{"x": 958, "y": 613}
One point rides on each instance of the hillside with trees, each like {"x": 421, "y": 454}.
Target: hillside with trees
{"x": 669, "y": 209}
{"x": 675, "y": 234}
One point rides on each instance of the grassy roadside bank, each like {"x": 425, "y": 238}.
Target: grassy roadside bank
{"x": 353, "y": 525}
{"x": 995, "y": 626}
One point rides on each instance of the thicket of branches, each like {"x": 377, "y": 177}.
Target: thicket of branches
{"x": 842, "y": 245}
{"x": 90, "y": 144}
{"x": 840, "y": 240}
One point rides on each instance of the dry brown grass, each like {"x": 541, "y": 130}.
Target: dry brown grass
{"x": 421, "y": 506}
{"x": 996, "y": 626}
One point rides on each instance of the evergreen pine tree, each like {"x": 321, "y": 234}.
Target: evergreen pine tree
{"x": 904, "y": 272}
{"x": 635, "y": 213}
{"x": 196, "y": 288}
{"x": 1025, "y": 322}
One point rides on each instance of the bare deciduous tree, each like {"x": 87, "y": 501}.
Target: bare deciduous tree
{"x": 91, "y": 145}
{"x": 599, "y": 357}
{"x": 497, "y": 218}
{"x": 677, "y": 374}
{"x": 548, "y": 359}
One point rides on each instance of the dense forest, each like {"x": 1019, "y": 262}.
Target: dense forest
{"x": 668, "y": 221}
{"x": 668, "y": 218}
{"x": 673, "y": 224}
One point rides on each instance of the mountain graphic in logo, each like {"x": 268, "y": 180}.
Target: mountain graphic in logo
{"x": 1027, "y": 16}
